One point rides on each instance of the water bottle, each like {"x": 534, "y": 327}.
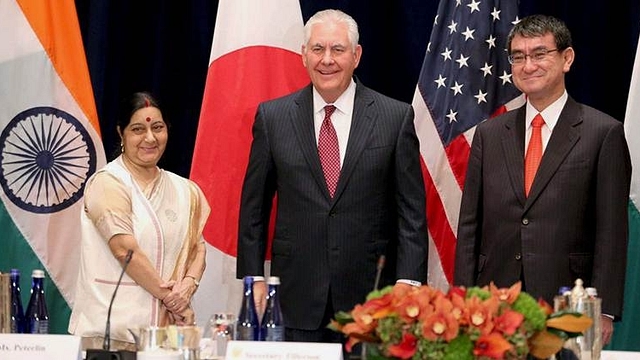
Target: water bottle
{"x": 589, "y": 345}
{"x": 17, "y": 313}
{"x": 248, "y": 327}
{"x": 37, "y": 315}
{"x": 562, "y": 300}
{"x": 272, "y": 326}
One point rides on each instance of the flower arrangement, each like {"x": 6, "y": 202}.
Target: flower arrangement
{"x": 465, "y": 323}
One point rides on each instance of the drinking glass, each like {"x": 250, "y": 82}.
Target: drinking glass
{"x": 5, "y": 303}
{"x": 221, "y": 329}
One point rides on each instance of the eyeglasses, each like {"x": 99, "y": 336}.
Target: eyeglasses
{"x": 536, "y": 56}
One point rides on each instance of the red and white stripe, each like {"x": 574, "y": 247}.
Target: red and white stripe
{"x": 255, "y": 56}
{"x": 444, "y": 172}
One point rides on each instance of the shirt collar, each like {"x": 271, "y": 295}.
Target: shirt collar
{"x": 344, "y": 103}
{"x": 550, "y": 115}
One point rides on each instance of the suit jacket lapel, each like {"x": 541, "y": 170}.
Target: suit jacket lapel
{"x": 301, "y": 119}
{"x": 513, "y": 148}
{"x": 565, "y": 135}
{"x": 361, "y": 125}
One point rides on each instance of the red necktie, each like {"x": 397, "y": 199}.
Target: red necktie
{"x": 329, "y": 151}
{"x": 534, "y": 153}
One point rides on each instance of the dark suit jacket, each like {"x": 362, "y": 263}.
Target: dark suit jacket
{"x": 329, "y": 247}
{"x": 572, "y": 225}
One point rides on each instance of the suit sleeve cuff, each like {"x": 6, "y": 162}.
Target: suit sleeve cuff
{"x": 410, "y": 282}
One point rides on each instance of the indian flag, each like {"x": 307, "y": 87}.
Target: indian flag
{"x": 255, "y": 56}
{"x": 626, "y": 335}
{"x": 49, "y": 145}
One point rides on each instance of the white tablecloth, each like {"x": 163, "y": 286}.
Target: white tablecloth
{"x": 620, "y": 355}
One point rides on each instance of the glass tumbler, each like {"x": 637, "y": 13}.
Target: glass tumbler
{"x": 221, "y": 326}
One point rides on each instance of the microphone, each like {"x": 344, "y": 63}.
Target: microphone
{"x": 105, "y": 353}
{"x": 107, "y": 332}
{"x": 376, "y": 283}
{"x": 379, "y": 268}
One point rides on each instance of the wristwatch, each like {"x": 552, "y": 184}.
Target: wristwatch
{"x": 195, "y": 281}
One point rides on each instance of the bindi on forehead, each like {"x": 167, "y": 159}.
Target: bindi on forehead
{"x": 148, "y": 119}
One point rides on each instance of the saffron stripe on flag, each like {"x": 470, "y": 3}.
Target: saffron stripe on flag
{"x": 465, "y": 79}
{"x": 46, "y": 106}
{"x": 245, "y": 30}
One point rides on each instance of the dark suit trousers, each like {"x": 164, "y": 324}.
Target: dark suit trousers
{"x": 323, "y": 334}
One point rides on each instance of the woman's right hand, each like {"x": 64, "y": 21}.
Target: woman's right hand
{"x": 179, "y": 298}
{"x": 185, "y": 317}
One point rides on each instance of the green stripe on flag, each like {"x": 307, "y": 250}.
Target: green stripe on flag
{"x": 17, "y": 254}
{"x": 626, "y": 335}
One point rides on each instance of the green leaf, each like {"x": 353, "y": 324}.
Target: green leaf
{"x": 379, "y": 293}
{"x": 343, "y": 317}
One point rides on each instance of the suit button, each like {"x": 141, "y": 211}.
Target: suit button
{"x": 525, "y": 221}
{"x": 332, "y": 214}
{"x": 518, "y": 256}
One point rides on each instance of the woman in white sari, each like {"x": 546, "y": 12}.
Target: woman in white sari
{"x": 132, "y": 204}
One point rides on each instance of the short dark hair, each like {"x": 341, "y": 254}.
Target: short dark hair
{"x": 539, "y": 25}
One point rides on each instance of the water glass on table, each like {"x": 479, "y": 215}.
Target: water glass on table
{"x": 221, "y": 330}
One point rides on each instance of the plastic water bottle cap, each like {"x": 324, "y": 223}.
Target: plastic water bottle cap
{"x": 37, "y": 273}
{"x": 591, "y": 291}
{"x": 563, "y": 290}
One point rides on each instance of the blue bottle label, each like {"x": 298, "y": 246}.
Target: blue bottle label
{"x": 274, "y": 333}
{"x": 39, "y": 326}
{"x": 246, "y": 333}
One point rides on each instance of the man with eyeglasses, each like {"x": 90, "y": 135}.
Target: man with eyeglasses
{"x": 546, "y": 190}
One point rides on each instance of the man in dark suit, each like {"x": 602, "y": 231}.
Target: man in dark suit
{"x": 331, "y": 230}
{"x": 571, "y": 222}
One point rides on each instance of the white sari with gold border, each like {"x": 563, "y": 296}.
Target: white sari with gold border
{"x": 167, "y": 222}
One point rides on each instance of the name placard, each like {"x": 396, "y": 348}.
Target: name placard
{"x": 268, "y": 350}
{"x": 39, "y": 346}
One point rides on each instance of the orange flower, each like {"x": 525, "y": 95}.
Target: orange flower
{"x": 545, "y": 306}
{"x": 492, "y": 345}
{"x": 406, "y": 348}
{"x": 480, "y": 313}
{"x": 483, "y": 322}
{"x": 459, "y": 310}
{"x": 363, "y": 321}
{"x": 509, "y": 322}
{"x": 379, "y": 307}
{"x": 508, "y": 295}
{"x": 414, "y": 305}
{"x": 440, "y": 325}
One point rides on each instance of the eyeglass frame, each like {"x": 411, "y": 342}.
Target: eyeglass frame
{"x": 536, "y": 57}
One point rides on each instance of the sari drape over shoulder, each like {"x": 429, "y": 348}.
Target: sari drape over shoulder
{"x": 166, "y": 219}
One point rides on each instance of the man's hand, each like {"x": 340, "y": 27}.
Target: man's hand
{"x": 607, "y": 329}
{"x": 260, "y": 296}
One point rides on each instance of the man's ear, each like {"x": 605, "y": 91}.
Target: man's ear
{"x": 568, "y": 55}
{"x": 357, "y": 54}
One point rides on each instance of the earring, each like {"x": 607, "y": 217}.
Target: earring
{"x": 121, "y": 147}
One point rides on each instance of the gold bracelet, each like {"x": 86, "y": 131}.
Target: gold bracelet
{"x": 195, "y": 281}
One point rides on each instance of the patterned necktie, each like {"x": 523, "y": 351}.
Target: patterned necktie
{"x": 534, "y": 153}
{"x": 329, "y": 151}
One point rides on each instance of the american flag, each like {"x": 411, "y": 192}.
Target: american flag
{"x": 465, "y": 79}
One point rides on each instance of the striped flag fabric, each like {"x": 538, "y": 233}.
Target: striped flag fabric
{"x": 49, "y": 145}
{"x": 626, "y": 335}
{"x": 255, "y": 56}
{"x": 465, "y": 79}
